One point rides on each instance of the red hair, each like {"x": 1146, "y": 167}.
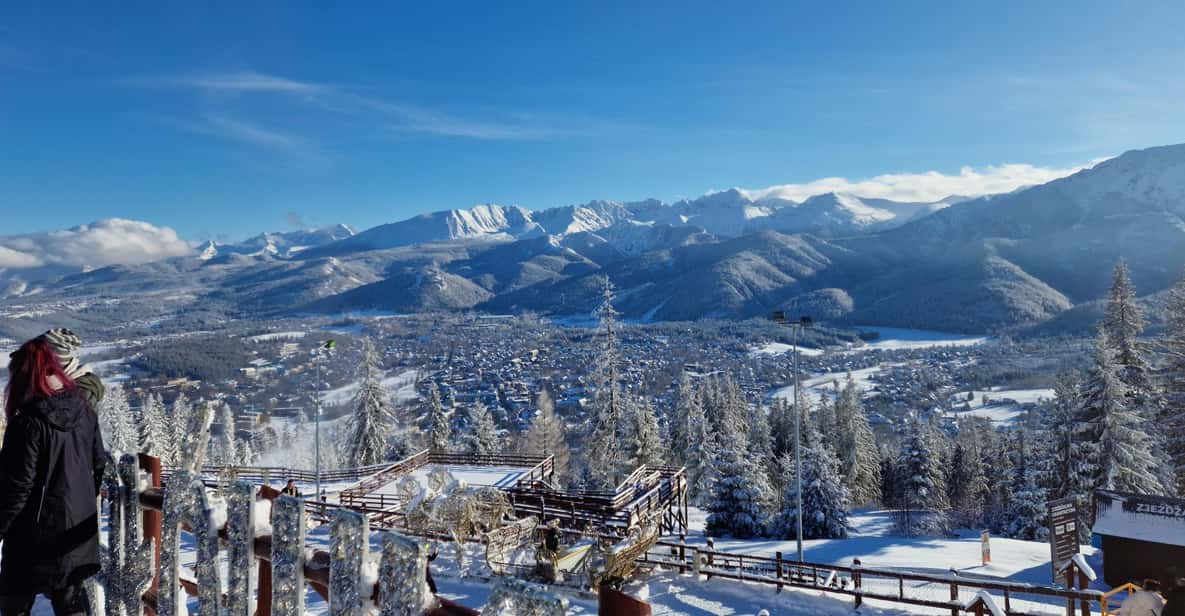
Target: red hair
{"x": 29, "y": 369}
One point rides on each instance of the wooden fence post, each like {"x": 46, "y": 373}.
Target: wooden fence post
{"x": 1084, "y": 583}
{"x": 1070, "y": 586}
{"x": 682, "y": 551}
{"x": 711, "y": 556}
{"x": 152, "y": 522}
{"x": 856, "y": 582}
{"x": 263, "y": 605}
{"x": 778, "y": 557}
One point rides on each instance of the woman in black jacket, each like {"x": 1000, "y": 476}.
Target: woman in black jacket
{"x": 51, "y": 465}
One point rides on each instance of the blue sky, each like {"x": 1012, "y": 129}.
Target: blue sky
{"x": 222, "y": 122}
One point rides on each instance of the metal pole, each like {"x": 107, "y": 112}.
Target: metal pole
{"x": 797, "y": 442}
{"x": 317, "y": 429}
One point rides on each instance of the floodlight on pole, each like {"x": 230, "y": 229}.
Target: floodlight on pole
{"x": 779, "y": 317}
{"x": 326, "y": 346}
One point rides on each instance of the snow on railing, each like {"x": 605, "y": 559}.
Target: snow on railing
{"x": 357, "y": 582}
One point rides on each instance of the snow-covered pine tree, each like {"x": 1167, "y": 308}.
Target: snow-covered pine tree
{"x": 922, "y": 484}
{"x": 156, "y": 433}
{"x": 1124, "y": 323}
{"x": 1026, "y": 517}
{"x": 996, "y": 458}
{"x": 1172, "y": 381}
{"x": 891, "y": 482}
{"x": 602, "y": 463}
{"x": 1061, "y": 426}
{"x": 245, "y": 450}
{"x": 118, "y": 424}
{"x": 440, "y": 434}
{"x": 369, "y": 424}
{"x": 178, "y": 420}
{"x": 857, "y": 452}
{"x": 685, "y": 398}
{"x": 224, "y": 448}
{"x": 483, "y": 439}
{"x": 1123, "y": 457}
{"x": 741, "y": 496}
{"x": 824, "y": 497}
{"x": 761, "y": 440}
{"x": 967, "y": 484}
{"x": 645, "y": 445}
{"x": 826, "y": 418}
{"x": 547, "y": 435}
{"x": 781, "y": 427}
{"x": 699, "y": 451}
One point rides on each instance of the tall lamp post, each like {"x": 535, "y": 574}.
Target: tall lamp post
{"x": 325, "y": 347}
{"x": 780, "y": 318}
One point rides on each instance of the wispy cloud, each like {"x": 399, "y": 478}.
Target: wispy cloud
{"x": 925, "y": 187}
{"x": 396, "y": 115}
{"x": 238, "y": 81}
{"x": 248, "y": 132}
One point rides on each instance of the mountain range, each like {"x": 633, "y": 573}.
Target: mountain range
{"x": 987, "y": 264}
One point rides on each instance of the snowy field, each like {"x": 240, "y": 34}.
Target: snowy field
{"x": 872, "y": 541}
{"x": 781, "y": 348}
{"x": 1004, "y": 405}
{"x": 278, "y": 336}
{"x": 402, "y": 388}
{"x": 822, "y": 385}
{"x": 497, "y": 476}
{"x": 895, "y": 338}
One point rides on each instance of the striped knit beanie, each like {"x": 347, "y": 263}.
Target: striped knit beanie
{"x": 63, "y": 341}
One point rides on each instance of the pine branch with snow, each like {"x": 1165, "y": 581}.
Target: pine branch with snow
{"x": 117, "y": 423}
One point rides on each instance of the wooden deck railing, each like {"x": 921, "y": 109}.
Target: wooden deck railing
{"x": 862, "y": 583}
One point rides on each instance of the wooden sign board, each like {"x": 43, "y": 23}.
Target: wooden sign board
{"x": 1063, "y": 532}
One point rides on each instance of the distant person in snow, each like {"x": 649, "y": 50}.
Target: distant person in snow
{"x": 290, "y": 489}
{"x": 51, "y": 464}
{"x": 1145, "y": 602}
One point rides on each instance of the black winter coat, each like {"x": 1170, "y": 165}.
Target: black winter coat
{"x": 51, "y": 466}
{"x": 1174, "y": 604}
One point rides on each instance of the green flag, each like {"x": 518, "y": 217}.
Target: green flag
{"x": 329, "y": 344}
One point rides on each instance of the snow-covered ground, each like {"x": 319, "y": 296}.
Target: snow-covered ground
{"x": 781, "y": 348}
{"x": 498, "y": 476}
{"x": 278, "y": 336}
{"x": 895, "y": 338}
{"x": 873, "y": 541}
{"x": 1003, "y": 406}
{"x": 402, "y": 387}
{"x": 824, "y": 384}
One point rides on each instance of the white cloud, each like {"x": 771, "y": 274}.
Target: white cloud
{"x": 928, "y": 186}
{"x": 106, "y": 242}
{"x": 17, "y": 259}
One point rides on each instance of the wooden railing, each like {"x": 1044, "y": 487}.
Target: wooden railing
{"x": 281, "y": 559}
{"x": 860, "y": 582}
{"x": 1127, "y": 589}
{"x": 279, "y": 473}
